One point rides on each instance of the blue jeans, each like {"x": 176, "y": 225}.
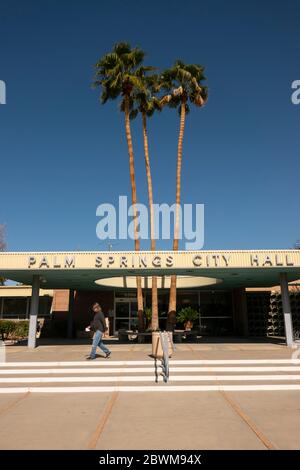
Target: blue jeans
{"x": 97, "y": 341}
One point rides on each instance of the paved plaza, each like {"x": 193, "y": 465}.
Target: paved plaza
{"x": 232, "y": 395}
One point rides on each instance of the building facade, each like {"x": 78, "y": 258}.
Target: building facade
{"x": 234, "y": 291}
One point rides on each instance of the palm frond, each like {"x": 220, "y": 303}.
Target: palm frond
{"x": 133, "y": 114}
{"x": 177, "y": 91}
{"x": 122, "y": 48}
{"x": 141, "y": 71}
{"x": 165, "y": 100}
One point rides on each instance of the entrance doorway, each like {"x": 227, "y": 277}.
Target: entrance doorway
{"x": 126, "y": 314}
{"x": 215, "y": 310}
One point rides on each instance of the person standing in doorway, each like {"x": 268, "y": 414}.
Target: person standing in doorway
{"x": 98, "y": 326}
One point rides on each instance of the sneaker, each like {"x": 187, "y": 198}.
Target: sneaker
{"x": 108, "y": 355}
{"x": 89, "y": 358}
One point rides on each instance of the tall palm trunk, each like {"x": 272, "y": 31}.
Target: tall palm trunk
{"x": 155, "y": 323}
{"x": 135, "y": 219}
{"x": 172, "y": 299}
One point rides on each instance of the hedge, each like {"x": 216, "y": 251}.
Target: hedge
{"x": 13, "y": 329}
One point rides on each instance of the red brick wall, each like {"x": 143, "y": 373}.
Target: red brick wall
{"x": 60, "y": 300}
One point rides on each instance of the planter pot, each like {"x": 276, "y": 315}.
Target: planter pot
{"x": 157, "y": 350}
{"x": 188, "y": 326}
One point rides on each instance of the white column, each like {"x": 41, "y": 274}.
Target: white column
{"x": 286, "y": 307}
{"x": 34, "y": 308}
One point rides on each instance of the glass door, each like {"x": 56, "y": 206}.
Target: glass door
{"x": 133, "y": 321}
{"x": 122, "y": 310}
{"x": 126, "y": 314}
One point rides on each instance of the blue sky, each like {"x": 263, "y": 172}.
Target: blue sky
{"x": 62, "y": 153}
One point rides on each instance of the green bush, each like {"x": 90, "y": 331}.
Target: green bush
{"x": 6, "y": 328}
{"x": 21, "y": 329}
{"x": 13, "y": 329}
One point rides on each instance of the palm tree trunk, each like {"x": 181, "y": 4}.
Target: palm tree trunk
{"x": 141, "y": 325}
{"x": 154, "y": 307}
{"x": 172, "y": 299}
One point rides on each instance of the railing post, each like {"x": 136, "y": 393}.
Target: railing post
{"x": 34, "y": 308}
{"x": 286, "y": 307}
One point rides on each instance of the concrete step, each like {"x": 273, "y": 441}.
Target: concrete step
{"x": 185, "y": 375}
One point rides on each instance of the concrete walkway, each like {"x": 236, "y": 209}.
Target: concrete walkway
{"x": 220, "y": 396}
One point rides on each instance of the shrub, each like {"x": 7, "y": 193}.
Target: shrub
{"x": 13, "y": 329}
{"x": 21, "y": 329}
{"x": 6, "y": 328}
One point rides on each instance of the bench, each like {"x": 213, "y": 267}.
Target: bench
{"x": 130, "y": 335}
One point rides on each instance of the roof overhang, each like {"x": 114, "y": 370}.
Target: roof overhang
{"x": 81, "y": 270}
{"x": 163, "y": 282}
{"x": 22, "y": 291}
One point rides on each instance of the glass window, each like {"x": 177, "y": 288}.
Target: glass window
{"x": 215, "y": 304}
{"x": 216, "y": 326}
{"x": 187, "y": 299}
{"x": 129, "y": 295}
{"x": 14, "y": 307}
{"x": 134, "y": 324}
{"x": 122, "y": 324}
{"x": 122, "y": 309}
{"x": 126, "y": 314}
{"x": 134, "y": 310}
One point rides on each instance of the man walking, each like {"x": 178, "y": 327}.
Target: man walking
{"x": 98, "y": 326}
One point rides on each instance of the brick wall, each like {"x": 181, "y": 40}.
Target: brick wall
{"x": 60, "y": 300}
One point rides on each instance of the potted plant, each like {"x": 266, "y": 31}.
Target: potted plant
{"x": 134, "y": 327}
{"x": 148, "y": 314}
{"x": 187, "y": 316}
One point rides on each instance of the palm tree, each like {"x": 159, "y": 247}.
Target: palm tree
{"x": 146, "y": 103}
{"x": 183, "y": 82}
{"x": 116, "y": 76}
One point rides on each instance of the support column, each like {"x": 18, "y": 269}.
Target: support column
{"x": 27, "y": 308}
{"x": 70, "y": 314}
{"x": 240, "y": 314}
{"x": 286, "y": 307}
{"x": 244, "y": 312}
{"x": 34, "y": 308}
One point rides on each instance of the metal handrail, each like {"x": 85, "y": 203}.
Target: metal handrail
{"x": 165, "y": 339}
{"x": 165, "y": 359}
